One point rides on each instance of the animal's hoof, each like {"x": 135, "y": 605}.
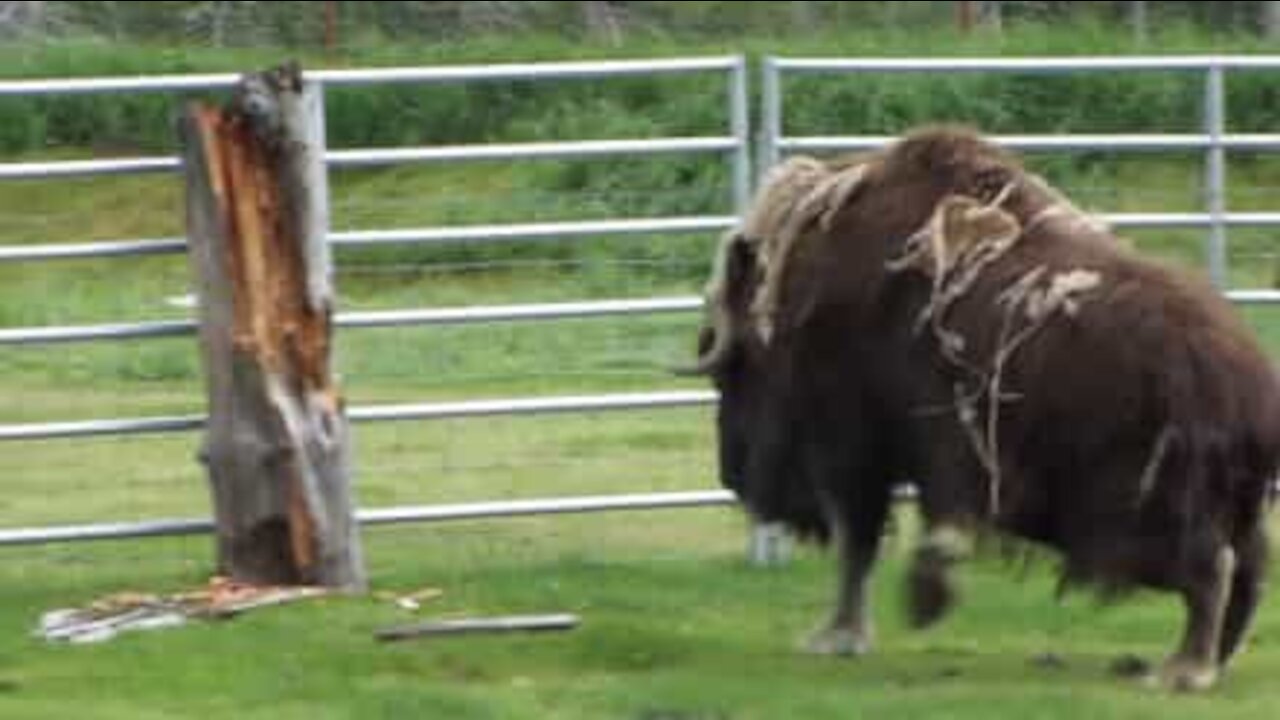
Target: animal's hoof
{"x": 839, "y": 641}
{"x": 1188, "y": 676}
{"x": 1049, "y": 661}
{"x": 1131, "y": 666}
{"x": 931, "y": 590}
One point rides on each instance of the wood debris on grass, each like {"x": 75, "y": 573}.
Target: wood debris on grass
{"x": 107, "y": 617}
{"x": 502, "y": 624}
{"x": 412, "y": 600}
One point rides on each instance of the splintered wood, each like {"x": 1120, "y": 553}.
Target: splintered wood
{"x": 276, "y": 447}
{"x": 121, "y": 612}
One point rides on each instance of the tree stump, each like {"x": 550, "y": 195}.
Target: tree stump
{"x": 277, "y": 444}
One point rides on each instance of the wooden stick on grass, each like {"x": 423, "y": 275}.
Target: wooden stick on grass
{"x": 510, "y": 623}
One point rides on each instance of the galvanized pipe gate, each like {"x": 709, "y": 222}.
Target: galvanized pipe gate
{"x": 735, "y": 145}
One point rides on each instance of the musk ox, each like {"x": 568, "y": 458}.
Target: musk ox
{"x": 932, "y": 312}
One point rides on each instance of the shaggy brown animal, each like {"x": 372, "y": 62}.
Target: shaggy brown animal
{"x": 933, "y": 312}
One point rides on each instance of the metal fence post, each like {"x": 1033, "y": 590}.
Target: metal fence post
{"x": 768, "y": 543}
{"x": 1215, "y": 179}
{"x": 740, "y": 129}
{"x": 771, "y": 115}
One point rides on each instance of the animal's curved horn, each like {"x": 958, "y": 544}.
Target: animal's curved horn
{"x": 721, "y": 328}
{"x": 721, "y": 331}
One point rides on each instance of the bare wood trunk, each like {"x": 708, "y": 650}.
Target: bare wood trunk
{"x": 603, "y": 21}
{"x": 1270, "y": 11}
{"x": 221, "y": 16}
{"x": 330, "y": 25}
{"x": 964, "y": 15}
{"x": 277, "y": 447}
{"x": 19, "y": 19}
{"x": 990, "y": 15}
{"x": 803, "y": 16}
{"x": 1138, "y": 21}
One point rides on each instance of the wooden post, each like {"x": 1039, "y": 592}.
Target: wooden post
{"x": 1138, "y": 22}
{"x": 277, "y": 446}
{"x": 990, "y": 15}
{"x": 1270, "y": 20}
{"x": 964, "y": 16}
{"x": 330, "y": 25}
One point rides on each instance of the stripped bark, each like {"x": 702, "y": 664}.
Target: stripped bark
{"x": 277, "y": 446}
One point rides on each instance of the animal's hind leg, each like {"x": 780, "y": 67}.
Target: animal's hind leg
{"x": 1246, "y": 590}
{"x": 1206, "y": 590}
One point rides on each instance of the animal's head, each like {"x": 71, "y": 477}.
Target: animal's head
{"x": 761, "y": 412}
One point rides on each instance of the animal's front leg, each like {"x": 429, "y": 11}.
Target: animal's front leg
{"x": 930, "y": 585}
{"x": 856, "y": 533}
{"x": 953, "y": 495}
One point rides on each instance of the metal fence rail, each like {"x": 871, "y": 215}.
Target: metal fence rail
{"x": 378, "y": 413}
{"x": 422, "y": 236}
{"x": 335, "y": 78}
{"x": 1156, "y": 142}
{"x": 1028, "y": 65}
{"x": 371, "y": 319}
{"x": 737, "y": 143}
{"x": 734, "y": 144}
{"x": 388, "y": 516}
{"x": 382, "y": 157}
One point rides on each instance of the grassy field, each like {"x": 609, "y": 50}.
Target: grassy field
{"x": 676, "y": 625}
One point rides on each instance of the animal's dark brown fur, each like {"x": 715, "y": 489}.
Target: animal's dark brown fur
{"x": 1141, "y": 430}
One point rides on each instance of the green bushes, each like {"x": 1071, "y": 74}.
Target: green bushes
{"x": 510, "y": 111}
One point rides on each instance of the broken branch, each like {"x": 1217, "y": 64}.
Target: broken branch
{"x": 512, "y": 623}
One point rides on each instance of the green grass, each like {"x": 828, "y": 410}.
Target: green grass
{"x": 676, "y": 626}
{"x": 405, "y": 463}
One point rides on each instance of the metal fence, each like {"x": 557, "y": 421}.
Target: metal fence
{"x": 1214, "y": 139}
{"x": 735, "y": 145}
